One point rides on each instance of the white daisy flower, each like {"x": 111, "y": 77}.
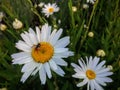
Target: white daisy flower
{"x": 49, "y": 9}
{"x": 91, "y": 1}
{"x": 93, "y": 73}
{"x": 42, "y": 52}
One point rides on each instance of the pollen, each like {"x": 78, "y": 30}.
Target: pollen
{"x": 42, "y": 52}
{"x": 90, "y": 74}
{"x": 51, "y": 10}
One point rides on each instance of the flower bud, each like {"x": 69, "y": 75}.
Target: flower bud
{"x": 3, "y": 27}
{"x": 59, "y": 21}
{"x": 17, "y": 24}
{"x": 85, "y": 6}
{"x": 110, "y": 67}
{"x": 74, "y": 9}
{"x": 100, "y": 53}
{"x": 85, "y": 26}
{"x": 3, "y": 88}
{"x": 41, "y": 4}
{"x": 91, "y": 34}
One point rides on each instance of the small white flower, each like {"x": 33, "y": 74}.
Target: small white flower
{"x": 49, "y": 9}
{"x": 91, "y": 1}
{"x": 17, "y": 24}
{"x": 42, "y": 51}
{"x": 93, "y": 73}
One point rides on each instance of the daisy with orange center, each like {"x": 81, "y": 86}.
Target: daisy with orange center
{"x": 49, "y": 9}
{"x": 93, "y": 73}
{"x": 42, "y": 51}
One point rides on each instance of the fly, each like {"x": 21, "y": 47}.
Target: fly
{"x": 37, "y": 46}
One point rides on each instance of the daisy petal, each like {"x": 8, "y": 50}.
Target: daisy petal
{"x": 59, "y": 71}
{"x": 100, "y": 65}
{"x": 33, "y": 39}
{"x": 95, "y": 60}
{"x": 82, "y": 83}
{"x": 26, "y": 39}
{"x": 105, "y": 74}
{"x": 37, "y": 69}
{"x": 103, "y": 70}
{"x": 44, "y": 32}
{"x": 25, "y": 76}
{"x": 97, "y": 86}
{"x": 60, "y": 62}
{"x": 47, "y": 69}
{"x": 101, "y": 82}
{"x": 62, "y": 42}
{"x": 52, "y": 35}
{"x": 29, "y": 66}
{"x": 63, "y": 55}
{"x": 60, "y": 50}
{"x": 82, "y": 65}
{"x": 92, "y": 85}
{"x": 53, "y": 65}
{"x": 38, "y": 34}
{"x": 22, "y": 60}
{"x": 80, "y": 75}
{"x": 76, "y": 66}
{"x": 20, "y": 54}
{"x": 105, "y": 79}
{"x": 56, "y": 37}
{"x": 42, "y": 74}
{"x": 23, "y": 47}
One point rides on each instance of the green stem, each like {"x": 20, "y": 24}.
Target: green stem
{"x": 71, "y": 13}
{"x": 33, "y": 9}
{"x": 89, "y": 22}
{"x": 116, "y": 10}
{"x": 40, "y": 18}
{"x": 9, "y": 31}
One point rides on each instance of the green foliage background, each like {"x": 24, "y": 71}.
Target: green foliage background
{"x": 102, "y": 18}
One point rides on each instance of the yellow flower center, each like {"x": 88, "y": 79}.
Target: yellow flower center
{"x": 42, "y": 52}
{"x": 90, "y": 74}
{"x": 51, "y": 10}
